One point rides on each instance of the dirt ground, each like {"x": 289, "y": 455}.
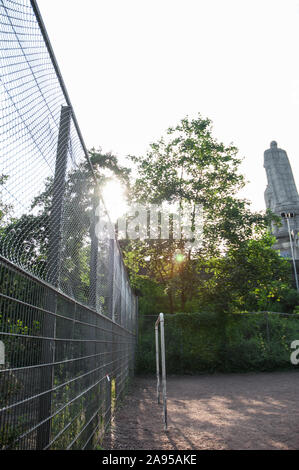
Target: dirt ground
{"x": 234, "y": 411}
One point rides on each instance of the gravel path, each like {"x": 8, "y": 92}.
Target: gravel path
{"x": 233, "y": 411}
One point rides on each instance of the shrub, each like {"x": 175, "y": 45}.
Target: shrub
{"x": 210, "y": 342}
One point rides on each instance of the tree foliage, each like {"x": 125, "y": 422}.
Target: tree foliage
{"x": 189, "y": 165}
{"x": 251, "y": 277}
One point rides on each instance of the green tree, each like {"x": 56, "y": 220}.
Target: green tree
{"x": 190, "y": 167}
{"x": 164, "y": 264}
{"x": 250, "y": 277}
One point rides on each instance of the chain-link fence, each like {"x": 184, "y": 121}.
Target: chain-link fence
{"x": 68, "y": 314}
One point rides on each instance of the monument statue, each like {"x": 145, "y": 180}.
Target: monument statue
{"x": 281, "y": 196}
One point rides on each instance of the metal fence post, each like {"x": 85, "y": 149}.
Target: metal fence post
{"x": 163, "y": 371}
{"x": 55, "y": 226}
{"x": 122, "y": 303}
{"x": 157, "y": 361}
{"x": 164, "y": 393}
{"x": 94, "y": 250}
{"x": 136, "y": 318}
{"x": 54, "y": 260}
{"x": 111, "y": 278}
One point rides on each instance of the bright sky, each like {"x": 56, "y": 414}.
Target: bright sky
{"x": 135, "y": 67}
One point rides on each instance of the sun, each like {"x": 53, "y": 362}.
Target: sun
{"x": 114, "y": 197}
{"x": 179, "y": 257}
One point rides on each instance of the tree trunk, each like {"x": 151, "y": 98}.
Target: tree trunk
{"x": 170, "y": 298}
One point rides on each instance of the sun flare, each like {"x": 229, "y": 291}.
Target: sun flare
{"x": 114, "y": 197}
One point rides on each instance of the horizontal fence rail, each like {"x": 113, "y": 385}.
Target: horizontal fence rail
{"x": 67, "y": 310}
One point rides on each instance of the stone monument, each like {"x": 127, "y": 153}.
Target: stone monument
{"x": 281, "y": 196}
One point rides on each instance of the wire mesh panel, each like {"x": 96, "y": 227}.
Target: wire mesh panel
{"x": 68, "y": 314}
{"x": 61, "y": 361}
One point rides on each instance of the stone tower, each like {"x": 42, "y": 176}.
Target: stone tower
{"x": 281, "y": 196}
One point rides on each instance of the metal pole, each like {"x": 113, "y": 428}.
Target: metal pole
{"x": 55, "y": 228}
{"x": 157, "y": 361}
{"x": 94, "y": 250}
{"x": 54, "y": 262}
{"x": 122, "y": 303}
{"x": 293, "y": 257}
{"x": 163, "y": 371}
{"x": 136, "y": 320}
{"x": 135, "y": 328}
{"x": 111, "y": 279}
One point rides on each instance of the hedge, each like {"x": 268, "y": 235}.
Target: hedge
{"x": 219, "y": 342}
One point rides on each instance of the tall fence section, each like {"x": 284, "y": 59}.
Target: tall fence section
{"x": 67, "y": 311}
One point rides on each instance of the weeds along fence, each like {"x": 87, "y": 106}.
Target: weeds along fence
{"x": 67, "y": 311}
{"x": 212, "y": 342}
